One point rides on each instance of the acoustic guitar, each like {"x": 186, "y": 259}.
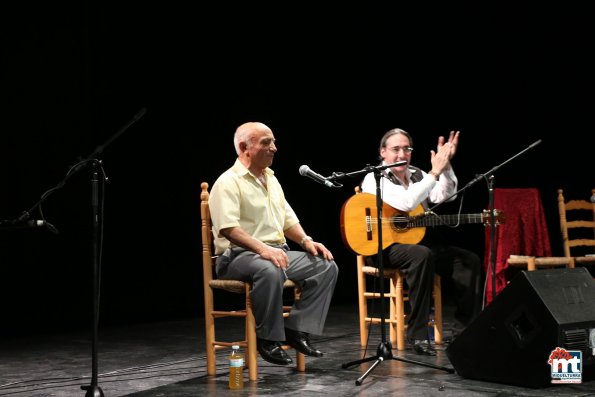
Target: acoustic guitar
{"x": 359, "y": 223}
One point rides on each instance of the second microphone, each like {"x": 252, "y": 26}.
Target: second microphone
{"x": 306, "y": 171}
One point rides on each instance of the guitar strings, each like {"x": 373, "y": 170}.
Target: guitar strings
{"x": 411, "y": 220}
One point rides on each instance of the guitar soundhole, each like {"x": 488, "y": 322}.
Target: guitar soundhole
{"x": 400, "y": 223}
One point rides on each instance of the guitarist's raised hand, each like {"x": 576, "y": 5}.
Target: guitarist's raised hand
{"x": 453, "y": 140}
{"x": 440, "y": 160}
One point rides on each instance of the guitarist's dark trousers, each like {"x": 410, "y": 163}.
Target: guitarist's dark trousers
{"x": 461, "y": 274}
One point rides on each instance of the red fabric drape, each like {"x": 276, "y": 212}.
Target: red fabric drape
{"x": 523, "y": 233}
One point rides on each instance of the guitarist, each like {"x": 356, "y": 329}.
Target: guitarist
{"x": 404, "y": 188}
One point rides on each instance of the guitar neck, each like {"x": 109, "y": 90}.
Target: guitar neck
{"x": 450, "y": 220}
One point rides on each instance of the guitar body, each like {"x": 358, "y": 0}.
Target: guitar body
{"x": 359, "y": 225}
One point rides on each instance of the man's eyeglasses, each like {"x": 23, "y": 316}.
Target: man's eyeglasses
{"x": 397, "y": 149}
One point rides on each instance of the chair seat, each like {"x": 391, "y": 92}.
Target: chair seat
{"x": 239, "y": 287}
{"x": 374, "y": 271}
{"x": 531, "y": 262}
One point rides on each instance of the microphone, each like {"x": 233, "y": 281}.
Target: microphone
{"x": 592, "y": 199}
{"x": 397, "y": 164}
{"x": 306, "y": 171}
{"x": 22, "y": 224}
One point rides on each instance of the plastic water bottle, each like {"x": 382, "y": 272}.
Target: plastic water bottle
{"x": 236, "y": 368}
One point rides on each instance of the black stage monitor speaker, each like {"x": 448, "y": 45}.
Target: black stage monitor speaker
{"x": 511, "y": 341}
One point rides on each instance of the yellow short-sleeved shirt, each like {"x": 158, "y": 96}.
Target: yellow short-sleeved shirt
{"x": 237, "y": 199}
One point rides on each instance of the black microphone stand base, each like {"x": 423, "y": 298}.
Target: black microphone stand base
{"x": 93, "y": 391}
{"x": 384, "y": 352}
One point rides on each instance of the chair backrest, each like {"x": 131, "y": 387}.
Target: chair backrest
{"x": 577, "y": 224}
{"x": 205, "y": 219}
{"x": 208, "y": 258}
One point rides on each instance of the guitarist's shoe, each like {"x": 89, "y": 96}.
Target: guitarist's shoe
{"x": 424, "y": 347}
{"x": 300, "y": 341}
{"x": 272, "y": 352}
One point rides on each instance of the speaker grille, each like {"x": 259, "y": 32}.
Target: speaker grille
{"x": 576, "y": 339}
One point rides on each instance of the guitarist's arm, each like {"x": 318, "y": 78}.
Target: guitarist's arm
{"x": 445, "y": 187}
{"x": 396, "y": 195}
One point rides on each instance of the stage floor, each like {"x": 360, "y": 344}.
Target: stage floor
{"x": 167, "y": 359}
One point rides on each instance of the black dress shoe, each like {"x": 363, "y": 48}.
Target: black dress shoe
{"x": 300, "y": 341}
{"x": 423, "y": 346}
{"x": 272, "y": 352}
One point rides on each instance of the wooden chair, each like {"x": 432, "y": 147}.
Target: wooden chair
{"x": 577, "y": 219}
{"x": 211, "y": 283}
{"x": 397, "y": 296}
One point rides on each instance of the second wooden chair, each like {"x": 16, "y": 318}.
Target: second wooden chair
{"x": 397, "y": 296}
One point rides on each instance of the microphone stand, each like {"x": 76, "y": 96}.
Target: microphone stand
{"x": 490, "y": 181}
{"x": 384, "y": 350}
{"x": 97, "y": 195}
{"x": 93, "y": 390}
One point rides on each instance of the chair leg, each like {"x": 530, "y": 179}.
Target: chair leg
{"x": 394, "y": 328}
{"x": 437, "y": 310}
{"x": 300, "y": 361}
{"x": 252, "y": 352}
{"x": 210, "y": 333}
{"x": 362, "y": 302}
{"x": 400, "y": 312}
{"x": 300, "y": 358}
{"x": 531, "y": 264}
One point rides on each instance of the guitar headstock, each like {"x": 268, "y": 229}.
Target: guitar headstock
{"x": 499, "y": 217}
